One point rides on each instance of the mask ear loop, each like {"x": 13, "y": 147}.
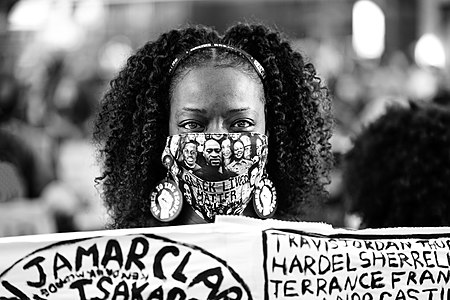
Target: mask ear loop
{"x": 166, "y": 200}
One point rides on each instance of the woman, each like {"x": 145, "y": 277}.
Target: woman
{"x": 193, "y": 83}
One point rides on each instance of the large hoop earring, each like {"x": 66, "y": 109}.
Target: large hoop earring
{"x": 166, "y": 200}
{"x": 265, "y": 198}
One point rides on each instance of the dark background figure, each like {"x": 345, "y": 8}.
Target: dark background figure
{"x": 23, "y": 174}
{"x": 398, "y": 172}
{"x": 14, "y": 145}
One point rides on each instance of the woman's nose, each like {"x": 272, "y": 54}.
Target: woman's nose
{"x": 216, "y": 126}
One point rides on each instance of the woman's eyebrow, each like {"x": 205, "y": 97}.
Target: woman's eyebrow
{"x": 235, "y": 110}
{"x": 192, "y": 110}
{"x": 238, "y": 110}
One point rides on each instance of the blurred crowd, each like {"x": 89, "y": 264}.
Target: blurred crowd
{"x": 48, "y": 162}
{"x": 48, "y": 100}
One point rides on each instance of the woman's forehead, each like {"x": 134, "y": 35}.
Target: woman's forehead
{"x": 211, "y": 82}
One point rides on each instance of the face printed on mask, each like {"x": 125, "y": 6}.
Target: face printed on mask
{"x": 190, "y": 154}
{"x": 216, "y": 185}
{"x": 258, "y": 147}
{"x": 212, "y": 153}
{"x": 226, "y": 149}
{"x": 238, "y": 150}
{"x": 247, "y": 146}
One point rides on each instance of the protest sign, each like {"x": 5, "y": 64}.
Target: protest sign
{"x": 234, "y": 258}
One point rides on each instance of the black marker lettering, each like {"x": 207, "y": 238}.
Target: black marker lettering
{"x": 279, "y": 265}
{"x": 427, "y": 259}
{"x": 92, "y": 251}
{"x": 64, "y": 264}
{"x": 324, "y": 268}
{"x": 404, "y": 260}
{"x": 102, "y": 288}
{"x": 377, "y": 278}
{"x": 309, "y": 262}
{"x": 176, "y": 294}
{"x": 395, "y": 279}
{"x": 79, "y": 285}
{"x": 334, "y": 285}
{"x": 42, "y": 276}
{"x": 379, "y": 257}
{"x": 206, "y": 277}
{"x": 392, "y": 259}
{"x": 430, "y": 292}
{"x": 136, "y": 292}
{"x": 288, "y": 289}
{"x": 410, "y": 291}
{"x": 292, "y": 242}
{"x": 295, "y": 263}
{"x": 443, "y": 277}
{"x": 366, "y": 261}
{"x": 178, "y": 274}
{"x": 233, "y": 293}
{"x": 415, "y": 255}
{"x": 411, "y": 278}
{"x": 133, "y": 256}
{"x": 157, "y": 266}
{"x": 361, "y": 283}
{"x": 157, "y": 293}
{"x": 277, "y": 283}
{"x": 349, "y": 283}
{"x": 348, "y": 260}
{"x": 426, "y": 275}
{"x": 306, "y": 283}
{"x": 113, "y": 252}
{"x": 336, "y": 261}
{"x": 121, "y": 290}
{"x": 321, "y": 285}
{"x": 15, "y": 291}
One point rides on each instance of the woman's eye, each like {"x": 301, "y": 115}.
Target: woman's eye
{"x": 242, "y": 124}
{"x": 191, "y": 126}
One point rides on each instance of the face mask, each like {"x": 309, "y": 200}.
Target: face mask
{"x": 217, "y": 174}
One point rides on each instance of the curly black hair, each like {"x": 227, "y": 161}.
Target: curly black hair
{"x": 133, "y": 122}
{"x": 398, "y": 172}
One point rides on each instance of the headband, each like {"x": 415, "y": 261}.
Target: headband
{"x": 256, "y": 65}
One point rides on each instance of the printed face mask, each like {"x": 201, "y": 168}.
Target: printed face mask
{"x": 216, "y": 173}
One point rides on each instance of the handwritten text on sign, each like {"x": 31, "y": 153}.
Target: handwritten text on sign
{"x": 353, "y": 267}
{"x": 132, "y": 267}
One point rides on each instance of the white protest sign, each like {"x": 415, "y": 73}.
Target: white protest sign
{"x": 300, "y": 265}
{"x": 234, "y": 258}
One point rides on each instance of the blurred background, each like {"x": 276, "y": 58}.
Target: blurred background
{"x": 57, "y": 57}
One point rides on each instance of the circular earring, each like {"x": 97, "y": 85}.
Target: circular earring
{"x": 166, "y": 200}
{"x": 265, "y": 199}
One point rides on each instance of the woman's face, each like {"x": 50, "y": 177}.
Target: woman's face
{"x": 217, "y": 100}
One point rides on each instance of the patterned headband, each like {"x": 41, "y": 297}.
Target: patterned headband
{"x": 258, "y": 67}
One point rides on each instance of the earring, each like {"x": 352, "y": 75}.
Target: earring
{"x": 166, "y": 200}
{"x": 265, "y": 199}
